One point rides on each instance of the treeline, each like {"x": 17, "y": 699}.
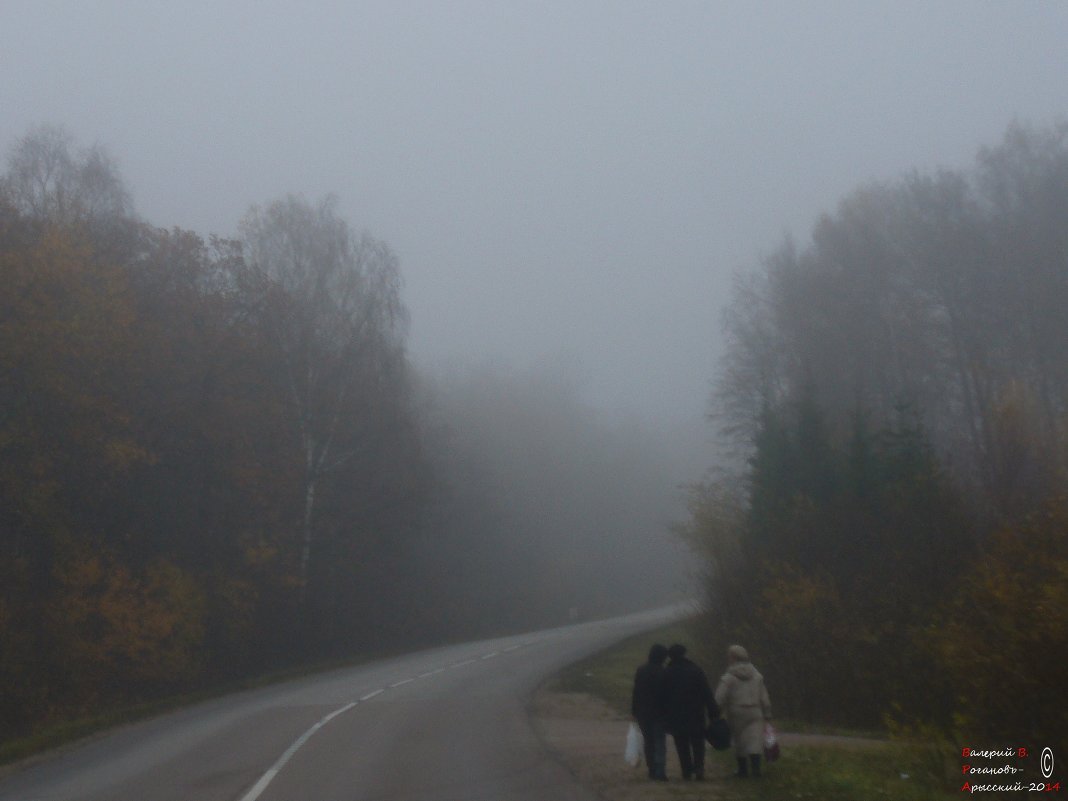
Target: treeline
{"x": 894, "y": 540}
{"x": 216, "y": 458}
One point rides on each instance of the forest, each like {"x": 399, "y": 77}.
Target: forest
{"x": 217, "y": 461}
{"x": 890, "y": 537}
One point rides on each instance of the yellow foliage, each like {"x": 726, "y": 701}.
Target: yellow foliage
{"x": 713, "y": 534}
{"x": 65, "y": 337}
{"x": 238, "y": 599}
{"x": 792, "y": 597}
{"x": 799, "y": 623}
{"x": 123, "y": 453}
{"x": 802, "y": 613}
{"x": 260, "y": 554}
{"x": 1004, "y": 640}
{"x": 1028, "y": 457}
{"x": 131, "y": 628}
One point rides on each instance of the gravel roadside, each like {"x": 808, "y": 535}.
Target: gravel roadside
{"x": 587, "y": 736}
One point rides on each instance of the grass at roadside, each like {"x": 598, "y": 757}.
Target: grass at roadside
{"x": 832, "y": 769}
{"x": 609, "y": 675}
{"x": 836, "y": 773}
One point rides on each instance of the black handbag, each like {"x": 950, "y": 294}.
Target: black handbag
{"x": 718, "y": 734}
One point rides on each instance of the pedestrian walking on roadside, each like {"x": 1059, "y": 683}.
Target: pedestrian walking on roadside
{"x": 647, "y": 707}
{"x": 744, "y": 699}
{"x": 688, "y": 698}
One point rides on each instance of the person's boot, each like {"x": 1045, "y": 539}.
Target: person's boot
{"x": 743, "y": 768}
{"x": 754, "y": 762}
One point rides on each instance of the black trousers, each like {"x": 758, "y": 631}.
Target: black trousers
{"x": 691, "y": 751}
{"x": 655, "y": 745}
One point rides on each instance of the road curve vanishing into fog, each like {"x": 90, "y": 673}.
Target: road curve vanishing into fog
{"x": 447, "y": 723}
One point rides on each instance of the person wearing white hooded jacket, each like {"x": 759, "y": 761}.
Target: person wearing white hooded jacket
{"x": 742, "y": 696}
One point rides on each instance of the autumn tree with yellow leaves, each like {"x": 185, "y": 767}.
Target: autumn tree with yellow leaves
{"x": 896, "y": 391}
{"x": 152, "y": 471}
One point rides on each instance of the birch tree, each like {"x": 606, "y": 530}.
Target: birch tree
{"x": 47, "y": 177}
{"x": 332, "y": 309}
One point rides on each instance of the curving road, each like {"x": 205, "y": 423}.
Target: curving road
{"x": 448, "y": 723}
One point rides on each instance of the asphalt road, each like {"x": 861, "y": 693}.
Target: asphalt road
{"x": 448, "y": 723}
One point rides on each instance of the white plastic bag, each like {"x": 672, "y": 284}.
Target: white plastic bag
{"x": 633, "y": 752}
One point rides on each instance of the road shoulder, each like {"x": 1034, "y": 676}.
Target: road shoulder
{"x": 587, "y": 736}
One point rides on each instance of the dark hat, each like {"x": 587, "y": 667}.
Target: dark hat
{"x": 677, "y": 651}
{"x": 657, "y": 654}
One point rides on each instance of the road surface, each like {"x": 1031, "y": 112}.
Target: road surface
{"x": 443, "y": 724}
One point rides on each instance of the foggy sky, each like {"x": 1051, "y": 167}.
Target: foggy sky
{"x": 568, "y": 182}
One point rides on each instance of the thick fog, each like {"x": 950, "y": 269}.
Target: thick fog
{"x": 450, "y": 364}
{"x": 337, "y": 328}
{"x": 560, "y": 181}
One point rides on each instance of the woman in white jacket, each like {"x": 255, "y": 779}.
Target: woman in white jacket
{"x": 742, "y": 696}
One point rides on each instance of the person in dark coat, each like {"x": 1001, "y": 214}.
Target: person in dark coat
{"x": 687, "y": 697}
{"x": 647, "y": 707}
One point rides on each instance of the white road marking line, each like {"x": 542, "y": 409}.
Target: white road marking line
{"x": 268, "y": 777}
{"x": 258, "y": 788}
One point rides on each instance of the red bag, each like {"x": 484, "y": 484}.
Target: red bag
{"x": 771, "y": 743}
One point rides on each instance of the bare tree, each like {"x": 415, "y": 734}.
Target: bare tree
{"x": 47, "y": 178}
{"x": 333, "y": 311}
{"x": 944, "y": 292}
